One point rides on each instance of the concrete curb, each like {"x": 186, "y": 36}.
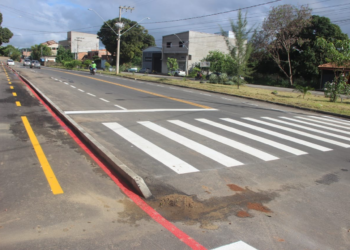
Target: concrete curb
{"x": 132, "y": 178}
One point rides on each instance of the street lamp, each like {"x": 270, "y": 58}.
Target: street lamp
{"x": 120, "y": 26}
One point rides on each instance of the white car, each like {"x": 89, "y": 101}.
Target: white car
{"x": 10, "y": 62}
{"x": 178, "y": 72}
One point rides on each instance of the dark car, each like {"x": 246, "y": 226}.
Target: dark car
{"x": 215, "y": 73}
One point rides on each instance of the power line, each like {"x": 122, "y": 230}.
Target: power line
{"x": 219, "y": 13}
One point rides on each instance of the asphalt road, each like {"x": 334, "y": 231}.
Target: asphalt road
{"x": 222, "y": 169}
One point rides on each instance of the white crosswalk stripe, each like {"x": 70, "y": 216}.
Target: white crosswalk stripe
{"x": 317, "y": 125}
{"x": 326, "y": 123}
{"x": 336, "y": 119}
{"x": 237, "y": 145}
{"x": 169, "y": 160}
{"x": 316, "y": 137}
{"x": 331, "y": 120}
{"x": 208, "y": 152}
{"x": 306, "y": 128}
{"x": 286, "y": 137}
{"x": 255, "y": 137}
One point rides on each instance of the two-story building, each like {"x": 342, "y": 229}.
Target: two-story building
{"x": 80, "y": 43}
{"x": 53, "y": 45}
{"x": 190, "y": 47}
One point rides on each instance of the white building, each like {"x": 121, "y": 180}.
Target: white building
{"x": 80, "y": 43}
{"x": 191, "y": 47}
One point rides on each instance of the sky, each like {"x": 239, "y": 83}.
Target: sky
{"x": 37, "y": 21}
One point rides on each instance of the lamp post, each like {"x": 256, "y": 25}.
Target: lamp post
{"x": 120, "y": 26}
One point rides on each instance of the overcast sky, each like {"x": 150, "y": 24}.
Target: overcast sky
{"x": 36, "y": 21}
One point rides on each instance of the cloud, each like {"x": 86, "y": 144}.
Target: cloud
{"x": 43, "y": 20}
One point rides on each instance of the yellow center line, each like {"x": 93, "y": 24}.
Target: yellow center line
{"x": 10, "y": 83}
{"x": 140, "y": 90}
{"x": 11, "y": 87}
{"x": 50, "y": 176}
{"x": 18, "y": 104}
{"x": 14, "y": 93}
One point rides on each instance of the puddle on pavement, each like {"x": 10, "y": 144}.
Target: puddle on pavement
{"x": 191, "y": 210}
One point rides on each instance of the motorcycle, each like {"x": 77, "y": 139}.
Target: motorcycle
{"x": 199, "y": 76}
{"x": 92, "y": 71}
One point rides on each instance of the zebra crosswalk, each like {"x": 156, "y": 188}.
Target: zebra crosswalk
{"x": 249, "y": 136}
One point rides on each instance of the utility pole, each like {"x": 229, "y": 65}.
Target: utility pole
{"x": 120, "y": 26}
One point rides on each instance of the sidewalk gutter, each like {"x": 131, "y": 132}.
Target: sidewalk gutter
{"x": 132, "y": 178}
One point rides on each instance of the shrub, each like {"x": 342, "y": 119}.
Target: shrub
{"x": 77, "y": 63}
{"x": 213, "y": 78}
{"x": 86, "y": 63}
{"x": 223, "y": 78}
{"x": 202, "y": 81}
{"x": 229, "y": 83}
{"x": 68, "y": 65}
{"x": 107, "y": 65}
{"x": 194, "y": 71}
{"x": 274, "y": 92}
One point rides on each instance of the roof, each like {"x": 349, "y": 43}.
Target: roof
{"x": 333, "y": 66}
{"x": 153, "y": 49}
{"x": 50, "y": 42}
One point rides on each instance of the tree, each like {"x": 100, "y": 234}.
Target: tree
{"x": 304, "y": 90}
{"x": 40, "y": 50}
{"x": 8, "y": 50}
{"x": 132, "y": 42}
{"x": 172, "y": 65}
{"x": 242, "y": 49}
{"x": 280, "y": 32}
{"x": 63, "y": 55}
{"x": 309, "y": 56}
{"x": 338, "y": 54}
{"x": 220, "y": 62}
{"x": 5, "y": 33}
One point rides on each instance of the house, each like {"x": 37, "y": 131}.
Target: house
{"x": 53, "y": 45}
{"x": 328, "y": 70}
{"x": 190, "y": 47}
{"x": 80, "y": 43}
{"x": 151, "y": 59}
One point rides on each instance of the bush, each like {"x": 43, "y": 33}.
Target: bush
{"x": 107, "y": 65}
{"x": 68, "y": 65}
{"x": 213, "y": 78}
{"x": 77, "y": 63}
{"x": 229, "y": 83}
{"x": 86, "y": 63}
{"x": 194, "y": 71}
{"x": 223, "y": 78}
{"x": 202, "y": 81}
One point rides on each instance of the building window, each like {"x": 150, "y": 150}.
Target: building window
{"x": 168, "y": 44}
{"x": 181, "y": 44}
{"x": 148, "y": 59}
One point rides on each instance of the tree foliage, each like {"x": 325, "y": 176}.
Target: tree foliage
{"x": 5, "y": 33}
{"x": 63, "y": 55}
{"x": 220, "y": 62}
{"x": 280, "y": 32}
{"x": 172, "y": 65}
{"x": 39, "y": 50}
{"x": 309, "y": 56}
{"x": 338, "y": 54}
{"x": 132, "y": 42}
{"x": 241, "y": 51}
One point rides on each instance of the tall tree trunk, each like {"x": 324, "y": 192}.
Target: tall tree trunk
{"x": 290, "y": 70}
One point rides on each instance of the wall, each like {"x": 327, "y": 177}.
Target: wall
{"x": 175, "y": 51}
{"x": 202, "y": 43}
{"x": 87, "y": 42}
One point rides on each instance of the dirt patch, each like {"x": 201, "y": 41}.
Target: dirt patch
{"x": 243, "y": 214}
{"x": 235, "y": 188}
{"x": 258, "y": 207}
{"x": 189, "y": 209}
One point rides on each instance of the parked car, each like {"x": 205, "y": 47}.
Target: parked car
{"x": 178, "y": 72}
{"x": 145, "y": 70}
{"x": 215, "y": 73}
{"x": 10, "y": 62}
{"x": 26, "y": 62}
{"x": 132, "y": 70}
{"x": 35, "y": 64}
